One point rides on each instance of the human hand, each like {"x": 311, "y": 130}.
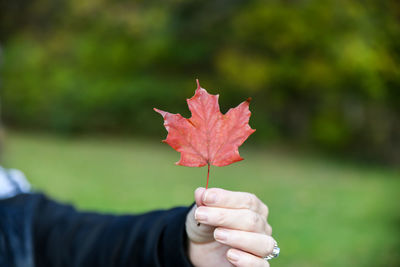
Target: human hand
{"x": 233, "y": 229}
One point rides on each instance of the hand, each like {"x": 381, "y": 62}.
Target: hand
{"x": 233, "y": 229}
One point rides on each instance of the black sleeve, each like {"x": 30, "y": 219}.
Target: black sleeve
{"x": 66, "y": 237}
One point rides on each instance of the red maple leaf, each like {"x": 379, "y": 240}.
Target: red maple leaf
{"x": 208, "y": 137}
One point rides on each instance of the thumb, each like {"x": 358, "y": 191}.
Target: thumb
{"x": 199, "y": 233}
{"x": 198, "y": 196}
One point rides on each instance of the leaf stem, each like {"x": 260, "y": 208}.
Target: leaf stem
{"x": 208, "y": 174}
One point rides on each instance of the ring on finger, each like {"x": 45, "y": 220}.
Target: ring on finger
{"x": 274, "y": 254}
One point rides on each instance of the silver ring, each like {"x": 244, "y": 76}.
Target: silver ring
{"x": 274, "y": 254}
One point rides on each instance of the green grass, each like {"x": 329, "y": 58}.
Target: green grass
{"x": 323, "y": 212}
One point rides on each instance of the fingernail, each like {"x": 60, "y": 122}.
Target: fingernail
{"x": 221, "y": 235}
{"x": 199, "y": 189}
{"x": 200, "y": 215}
{"x": 233, "y": 255}
{"x": 210, "y": 197}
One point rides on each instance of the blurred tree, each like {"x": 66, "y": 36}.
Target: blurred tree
{"x": 322, "y": 73}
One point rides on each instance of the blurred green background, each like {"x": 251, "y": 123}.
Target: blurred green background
{"x": 323, "y": 212}
{"x": 79, "y": 80}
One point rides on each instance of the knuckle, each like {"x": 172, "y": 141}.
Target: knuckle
{"x": 254, "y": 221}
{"x": 266, "y": 209}
{"x": 251, "y": 200}
{"x": 268, "y": 229}
{"x": 221, "y": 218}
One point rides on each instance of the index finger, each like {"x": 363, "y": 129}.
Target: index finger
{"x": 217, "y": 197}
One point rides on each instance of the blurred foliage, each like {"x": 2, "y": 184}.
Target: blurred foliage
{"x": 321, "y": 73}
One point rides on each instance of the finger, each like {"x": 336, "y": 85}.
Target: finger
{"x": 258, "y": 244}
{"x": 217, "y": 197}
{"x": 198, "y": 233}
{"x": 243, "y": 259}
{"x": 198, "y": 196}
{"x": 239, "y": 219}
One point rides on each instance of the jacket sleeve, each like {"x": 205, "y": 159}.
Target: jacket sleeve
{"x": 64, "y": 236}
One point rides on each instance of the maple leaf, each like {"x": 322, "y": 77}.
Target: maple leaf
{"x": 208, "y": 137}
